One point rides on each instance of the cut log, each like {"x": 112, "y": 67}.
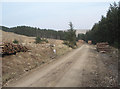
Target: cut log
{"x": 103, "y": 47}
{"x": 9, "y": 48}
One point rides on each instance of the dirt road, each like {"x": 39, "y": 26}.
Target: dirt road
{"x": 82, "y": 67}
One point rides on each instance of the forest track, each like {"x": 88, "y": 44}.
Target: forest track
{"x": 81, "y": 67}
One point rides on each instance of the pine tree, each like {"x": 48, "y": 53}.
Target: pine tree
{"x": 108, "y": 28}
{"x": 71, "y": 36}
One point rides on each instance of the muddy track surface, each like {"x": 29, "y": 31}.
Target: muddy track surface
{"x": 83, "y": 67}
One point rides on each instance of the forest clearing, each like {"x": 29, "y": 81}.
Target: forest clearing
{"x": 39, "y": 50}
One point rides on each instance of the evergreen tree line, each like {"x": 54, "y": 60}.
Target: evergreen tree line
{"x": 107, "y": 29}
{"x": 68, "y": 36}
{"x": 36, "y": 32}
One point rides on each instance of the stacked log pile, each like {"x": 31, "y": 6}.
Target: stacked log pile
{"x": 9, "y": 48}
{"x": 103, "y": 47}
{"x": 89, "y": 42}
{"x": 81, "y": 41}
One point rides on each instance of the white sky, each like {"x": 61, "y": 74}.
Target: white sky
{"x": 59, "y": 0}
{"x": 54, "y": 15}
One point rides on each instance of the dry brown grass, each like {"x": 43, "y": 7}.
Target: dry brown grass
{"x": 16, "y": 65}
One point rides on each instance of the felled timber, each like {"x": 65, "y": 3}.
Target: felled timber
{"x": 103, "y": 47}
{"x": 9, "y": 48}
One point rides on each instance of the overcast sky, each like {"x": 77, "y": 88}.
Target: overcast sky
{"x": 54, "y": 15}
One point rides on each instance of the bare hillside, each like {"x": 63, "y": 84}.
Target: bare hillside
{"x": 9, "y": 37}
{"x": 16, "y": 65}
